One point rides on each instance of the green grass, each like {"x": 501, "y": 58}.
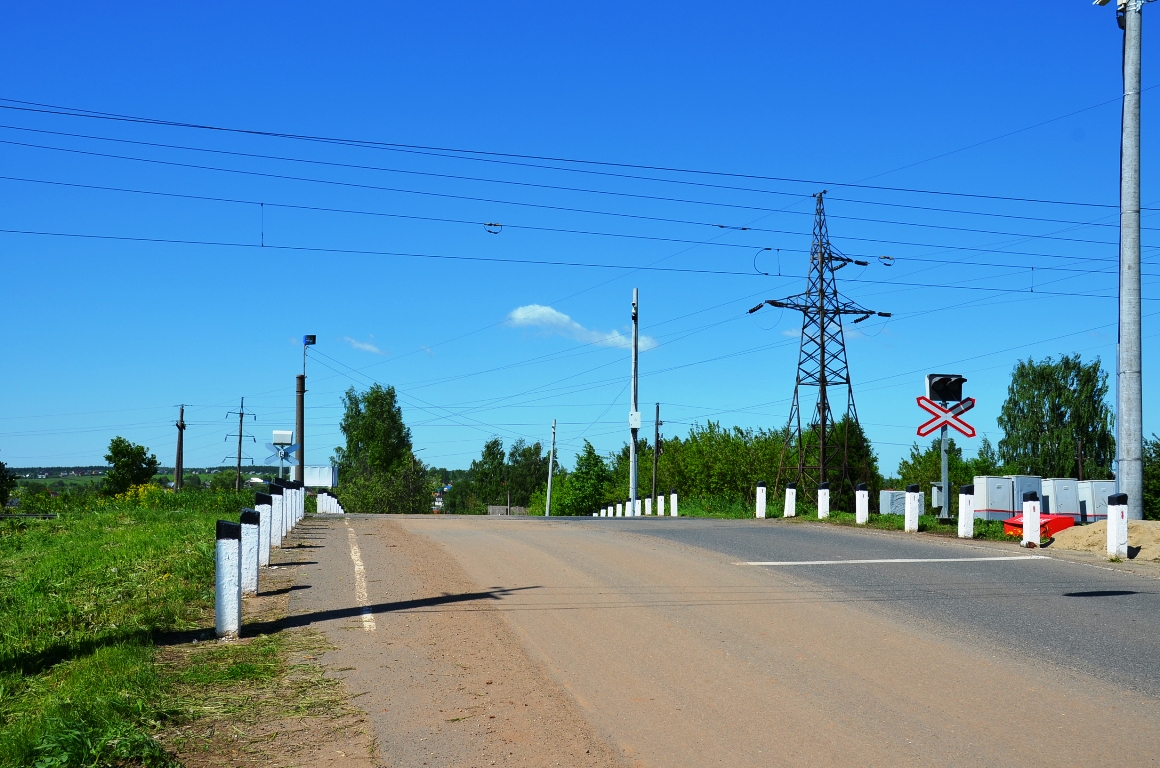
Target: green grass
{"x": 84, "y": 600}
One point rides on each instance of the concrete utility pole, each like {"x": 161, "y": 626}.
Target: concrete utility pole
{"x": 634, "y": 413}
{"x": 299, "y": 472}
{"x": 551, "y": 459}
{"x": 179, "y": 464}
{"x": 656, "y": 449}
{"x": 1130, "y": 408}
{"x": 300, "y": 426}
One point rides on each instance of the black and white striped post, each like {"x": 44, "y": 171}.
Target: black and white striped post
{"x": 263, "y": 506}
{"x": 228, "y": 586}
{"x": 251, "y": 535}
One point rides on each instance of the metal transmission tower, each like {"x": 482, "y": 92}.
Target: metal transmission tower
{"x": 821, "y": 364}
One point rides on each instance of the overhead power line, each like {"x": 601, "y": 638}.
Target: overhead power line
{"x": 500, "y": 260}
{"x": 37, "y": 107}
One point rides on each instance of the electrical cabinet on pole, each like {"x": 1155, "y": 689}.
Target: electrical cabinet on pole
{"x": 634, "y": 414}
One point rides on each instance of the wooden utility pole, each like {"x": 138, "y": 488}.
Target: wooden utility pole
{"x": 179, "y": 464}
{"x": 656, "y": 449}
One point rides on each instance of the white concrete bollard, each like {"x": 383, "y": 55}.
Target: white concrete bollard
{"x": 263, "y": 505}
{"x": 761, "y": 500}
{"x": 910, "y": 514}
{"x": 823, "y": 501}
{"x": 275, "y": 517}
{"x": 619, "y": 509}
{"x": 661, "y": 505}
{"x": 861, "y": 504}
{"x": 227, "y": 605}
{"x": 673, "y": 504}
{"x": 967, "y": 512}
{"x": 790, "y": 501}
{"x": 1118, "y": 525}
{"x": 648, "y": 507}
{"x": 636, "y": 509}
{"x": 251, "y": 535}
{"x": 1030, "y": 520}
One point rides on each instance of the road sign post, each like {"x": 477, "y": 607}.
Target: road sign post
{"x": 945, "y": 388}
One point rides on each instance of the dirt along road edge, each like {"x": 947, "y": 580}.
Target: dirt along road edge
{"x": 442, "y": 677}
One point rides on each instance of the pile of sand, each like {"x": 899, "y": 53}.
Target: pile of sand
{"x": 1144, "y": 534}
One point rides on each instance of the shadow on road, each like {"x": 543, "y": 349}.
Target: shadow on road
{"x": 306, "y": 619}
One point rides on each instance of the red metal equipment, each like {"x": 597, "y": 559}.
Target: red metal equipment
{"x": 1049, "y": 525}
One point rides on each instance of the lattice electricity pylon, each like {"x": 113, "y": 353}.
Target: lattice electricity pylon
{"x": 821, "y": 364}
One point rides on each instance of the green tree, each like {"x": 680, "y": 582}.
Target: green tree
{"x": 1152, "y": 478}
{"x": 377, "y": 468}
{"x": 7, "y": 483}
{"x": 583, "y": 490}
{"x": 131, "y": 465}
{"x": 377, "y": 440}
{"x": 527, "y": 470}
{"x": 1055, "y": 412}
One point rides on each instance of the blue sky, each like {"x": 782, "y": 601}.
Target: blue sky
{"x": 148, "y": 286}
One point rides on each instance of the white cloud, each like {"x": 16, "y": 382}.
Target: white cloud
{"x": 363, "y": 346}
{"x": 553, "y": 321}
{"x": 791, "y": 334}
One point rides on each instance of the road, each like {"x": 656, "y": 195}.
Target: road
{"x": 653, "y": 642}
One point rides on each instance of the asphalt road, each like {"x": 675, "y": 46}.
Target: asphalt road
{"x": 653, "y": 642}
{"x": 1079, "y": 616}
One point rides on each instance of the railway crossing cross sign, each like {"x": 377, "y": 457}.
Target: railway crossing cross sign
{"x": 949, "y": 416}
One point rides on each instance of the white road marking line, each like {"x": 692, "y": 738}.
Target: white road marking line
{"x": 901, "y": 560}
{"x": 360, "y": 581}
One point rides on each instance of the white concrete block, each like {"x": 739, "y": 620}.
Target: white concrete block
{"x": 1030, "y": 522}
{"x": 967, "y": 514}
{"x": 913, "y": 508}
{"x": 276, "y": 527}
{"x": 790, "y": 500}
{"x": 620, "y": 509}
{"x": 1118, "y": 525}
{"x": 761, "y": 501}
{"x": 661, "y": 505}
{"x": 251, "y": 531}
{"x": 263, "y": 510}
{"x": 861, "y": 506}
{"x": 648, "y": 507}
{"x": 228, "y": 582}
{"x": 823, "y": 503}
{"x": 673, "y": 505}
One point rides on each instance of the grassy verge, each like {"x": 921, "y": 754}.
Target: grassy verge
{"x": 100, "y": 611}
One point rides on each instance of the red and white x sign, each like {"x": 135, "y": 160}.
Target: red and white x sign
{"x": 946, "y": 416}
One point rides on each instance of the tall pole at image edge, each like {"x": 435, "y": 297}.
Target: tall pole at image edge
{"x": 551, "y": 459}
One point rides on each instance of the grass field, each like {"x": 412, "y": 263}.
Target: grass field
{"x": 88, "y": 604}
